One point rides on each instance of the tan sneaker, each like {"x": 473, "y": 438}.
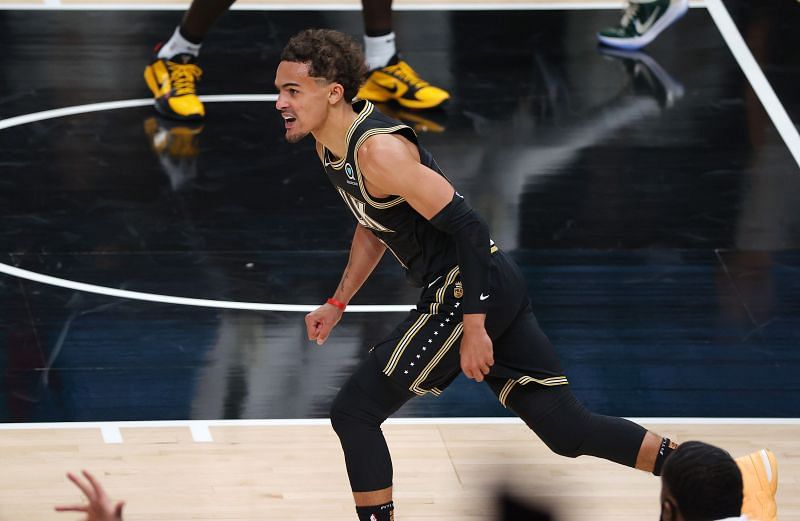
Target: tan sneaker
{"x": 760, "y": 479}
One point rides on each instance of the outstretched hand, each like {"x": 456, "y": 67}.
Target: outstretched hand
{"x": 100, "y": 507}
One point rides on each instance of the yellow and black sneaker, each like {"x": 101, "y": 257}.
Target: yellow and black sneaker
{"x": 173, "y": 83}
{"x": 399, "y": 82}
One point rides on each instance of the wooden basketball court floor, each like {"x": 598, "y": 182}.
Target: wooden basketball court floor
{"x": 152, "y": 297}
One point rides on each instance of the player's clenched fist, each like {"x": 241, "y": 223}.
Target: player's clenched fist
{"x": 320, "y": 322}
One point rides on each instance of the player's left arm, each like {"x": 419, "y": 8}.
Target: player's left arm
{"x": 391, "y": 166}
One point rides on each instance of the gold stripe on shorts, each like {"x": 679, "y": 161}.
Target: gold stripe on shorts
{"x": 454, "y": 335}
{"x": 401, "y": 346}
{"x": 504, "y": 392}
{"x": 391, "y": 365}
{"x": 547, "y": 382}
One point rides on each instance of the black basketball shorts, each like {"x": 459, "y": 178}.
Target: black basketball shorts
{"x": 422, "y": 352}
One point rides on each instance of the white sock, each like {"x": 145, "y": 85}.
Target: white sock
{"x": 178, "y": 45}
{"x": 379, "y": 50}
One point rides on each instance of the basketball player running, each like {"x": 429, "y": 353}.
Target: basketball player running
{"x": 473, "y": 314}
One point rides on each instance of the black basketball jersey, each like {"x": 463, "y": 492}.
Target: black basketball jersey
{"x": 424, "y": 251}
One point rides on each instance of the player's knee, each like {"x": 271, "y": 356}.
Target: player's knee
{"x": 564, "y": 446}
{"x": 350, "y": 413}
{"x": 556, "y": 416}
{"x": 341, "y": 415}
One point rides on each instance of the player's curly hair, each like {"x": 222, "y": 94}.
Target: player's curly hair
{"x": 331, "y": 55}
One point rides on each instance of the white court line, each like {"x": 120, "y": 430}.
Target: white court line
{"x": 121, "y": 104}
{"x": 756, "y": 77}
{"x": 485, "y": 6}
{"x": 185, "y": 301}
{"x": 111, "y": 433}
{"x": 200, "y": 433}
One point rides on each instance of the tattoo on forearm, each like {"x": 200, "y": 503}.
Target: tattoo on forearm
{"x": 344, "y": 279}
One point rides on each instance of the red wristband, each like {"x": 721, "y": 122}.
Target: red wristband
{"x": 337, "y": 303}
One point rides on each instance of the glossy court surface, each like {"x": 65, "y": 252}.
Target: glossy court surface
{"x": 649, "y": 197}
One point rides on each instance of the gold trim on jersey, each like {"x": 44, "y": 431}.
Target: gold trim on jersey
{"x": 403, "y": 264}
{"x": 359, "y": 211}
{"x": 401, "y": 346}
{"x": 547, "y": 382}
{"x": 364, "y": 114}
{"x": 368, "y": 134}
{"x": 454, "y": 336}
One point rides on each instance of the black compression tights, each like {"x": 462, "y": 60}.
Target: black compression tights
{"x": 569, "y": 429}
{"x": 553, "y": 413}
{"x": 357, "y": 412}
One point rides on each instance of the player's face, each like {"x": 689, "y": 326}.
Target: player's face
{"x": 669, "y": 512}
{"x": 302, "y": 100}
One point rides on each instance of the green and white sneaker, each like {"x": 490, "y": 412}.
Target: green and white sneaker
{"x": 642, "y": 21}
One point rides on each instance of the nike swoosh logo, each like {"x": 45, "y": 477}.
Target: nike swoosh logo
{"x": 392, "y": 89}
{"x": 483, "y": 297}
{"x": 641, "y": 28}
{"x": 434, "y": 282}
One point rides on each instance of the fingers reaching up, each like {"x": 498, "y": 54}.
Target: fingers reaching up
{"x": 100, "y": 506}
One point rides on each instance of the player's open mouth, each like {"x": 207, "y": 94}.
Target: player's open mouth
{"x": 288, "y": 120}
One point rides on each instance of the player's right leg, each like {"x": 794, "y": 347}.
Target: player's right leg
{"x": 173, "y": 74}
{"x": 365, "y": 401}
{"x": 419, "y": 356}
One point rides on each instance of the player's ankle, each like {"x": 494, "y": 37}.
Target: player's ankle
{"x": 383, "y": 512}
